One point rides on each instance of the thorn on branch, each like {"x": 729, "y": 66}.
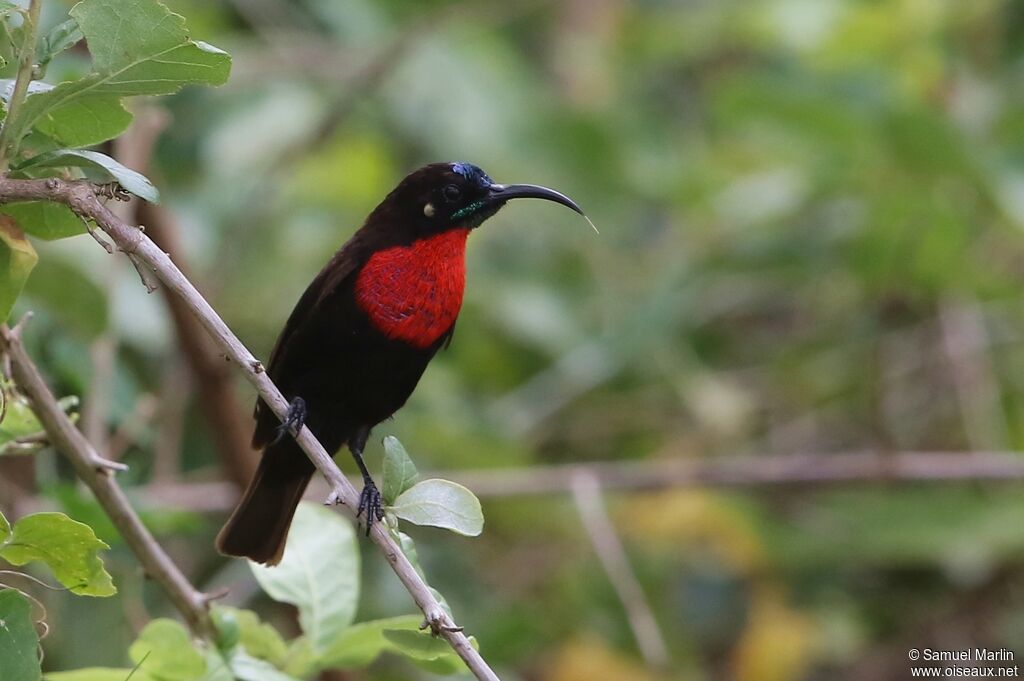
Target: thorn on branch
{"x": 145, "y": 274}
{"x": 215, "y": 595}
{"x": 95, "y": 235}
{"x": 107, "y": 466}
{"x": 16, "y": 330}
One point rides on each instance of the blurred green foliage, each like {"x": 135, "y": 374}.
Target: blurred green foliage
{"x": 804, "y": 205}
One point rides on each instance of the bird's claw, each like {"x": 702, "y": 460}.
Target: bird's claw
{"x": 293, "y": 420}
{"x": 370, "y": 502}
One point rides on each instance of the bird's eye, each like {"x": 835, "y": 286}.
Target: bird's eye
{"x": 451, "y": 193}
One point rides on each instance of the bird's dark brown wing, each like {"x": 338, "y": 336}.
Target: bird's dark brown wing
{"x": 342, "y": 266}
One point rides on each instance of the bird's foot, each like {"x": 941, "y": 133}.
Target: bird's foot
{"x": 293, "y": 420}
{"x": 370, "y": 502}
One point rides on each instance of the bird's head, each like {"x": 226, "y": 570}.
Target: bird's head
{"x": 443, "y": 196}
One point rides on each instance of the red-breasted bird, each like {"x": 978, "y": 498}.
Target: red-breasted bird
{"x": 361, "y": 336}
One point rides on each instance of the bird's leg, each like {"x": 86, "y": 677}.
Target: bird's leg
{"x": 369, "y": 500}
{"x": 293, "y": 420}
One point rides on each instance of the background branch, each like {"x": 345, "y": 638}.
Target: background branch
{"x": 792, "y": 471}
{"x": 81, "y": 197}
{"x": 586, "y": 491}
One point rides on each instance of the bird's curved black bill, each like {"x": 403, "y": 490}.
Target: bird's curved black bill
{"x": 506, "y": 192}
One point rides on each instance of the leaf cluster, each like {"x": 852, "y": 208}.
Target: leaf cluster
{"x": 137, "y": 47}
{"x": 319, "y": 575}
{"x": 70, "y": 551}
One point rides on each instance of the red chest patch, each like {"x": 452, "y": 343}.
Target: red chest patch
{"x": 414, "y": 293}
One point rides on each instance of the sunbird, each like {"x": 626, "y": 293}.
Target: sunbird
{"x": 360, "y": 337}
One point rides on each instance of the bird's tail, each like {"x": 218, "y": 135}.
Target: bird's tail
{"x": 259, "y": 526}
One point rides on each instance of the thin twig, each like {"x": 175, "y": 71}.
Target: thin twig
{"x": 95, "y": 472}
{"x": 34, "y": 580}
{"x": 586, "y": 492}
{"x": 26, "y": 64}
{"x": 81, "y": 197}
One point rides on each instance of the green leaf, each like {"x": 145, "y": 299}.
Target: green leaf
{"x": 259, "y": 639}
{"x": 445, "y": 665}
{"x": 5, "y": 528}
{"x": 442, "y": 601}
{"x": 45, "y": 219}
{"x": 225, "y": 621}
{"x": 86, "y": 121}
{"x": 217, "y": 668}
{"x": 145, "y": 37}
{"x": 138, "y": 48}
{"x": 319, "y": 574}
{"x": 19, "y": 420}
{"x": 69, "y": 548}
{"x": 98, "y": 674}
{"x": 62, "y": 36}
{"x": 164, "y": 650}
{"x": 136, "y": 183}
{"x": 441, "y": 503}
{"x": 301, "y": 660}
{"x": 399, "y": 471}
{"x": 19, "y": 643}
{"x": 360, "y": 644}
{"x": 247, "y": 668}
{"x": 6, "y": 7}
{"x": 418, "y": 644}
{"x": 17, "y": 258}
{"x": 430, "y": 652}
{"x": 409, "y": 549}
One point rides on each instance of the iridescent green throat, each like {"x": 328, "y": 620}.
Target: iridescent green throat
{"x": 468, "y": 210}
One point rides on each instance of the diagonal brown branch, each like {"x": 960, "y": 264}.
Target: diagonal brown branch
{"x": 81, "y": 197}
